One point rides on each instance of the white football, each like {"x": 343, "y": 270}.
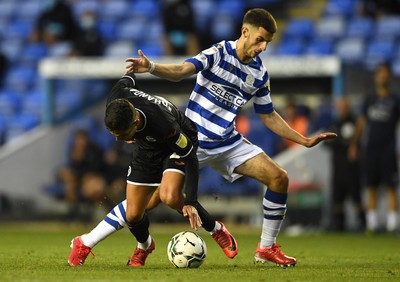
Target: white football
{"x": 186, "y": 250}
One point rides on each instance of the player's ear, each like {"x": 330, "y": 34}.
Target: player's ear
{"x": 245, "y": 31}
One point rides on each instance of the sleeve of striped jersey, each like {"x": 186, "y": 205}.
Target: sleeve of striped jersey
{"x": 262, "y": 101}
{"x": 206, "y": 58}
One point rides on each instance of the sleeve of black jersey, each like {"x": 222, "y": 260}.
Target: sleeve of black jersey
{"x": 122, "y": 87}
{"x": 183, "y": 147}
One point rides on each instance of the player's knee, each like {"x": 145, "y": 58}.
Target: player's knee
{"x": 279, "y": 181}
{"x": 173, "y": 200}
{"x": 133, "y": 216}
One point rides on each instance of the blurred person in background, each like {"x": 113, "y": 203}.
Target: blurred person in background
{"x": 378, "y": 8}
{"x": 55, "y": 23}
{"x": 180, "y": 35}
{"x": 299, "y": 122}
{"x": 376, "y": 132}
{"x": 346, "y": 179}
{"x": 87, "y": 41}
{"x": 83, "y": 174}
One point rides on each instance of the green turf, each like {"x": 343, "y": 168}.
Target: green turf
{"x": 38, "y": 252}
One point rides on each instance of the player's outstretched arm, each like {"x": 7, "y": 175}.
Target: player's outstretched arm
{"x": 172, "y": 72}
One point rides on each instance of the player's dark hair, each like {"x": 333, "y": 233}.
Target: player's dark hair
{"x": 119, "y": 115}
{"x": 260, "y": 18}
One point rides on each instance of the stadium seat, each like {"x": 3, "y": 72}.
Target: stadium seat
{"x": 201, "y": 9}
{"x": 17, "y": 29}
{"x": 396, "y": 67}
{"x": 378, "y": 51}
{"x": 83, "y": 5}
{"x": 20, "y": 124}
{"x": 120, "y": 49}
{"x": 291, "y": 47}
{"x": 151, "y": 49}
{"x": 32, "y": 53}
{"x": 12, "y": 49}
{"x": 340, "y": 8}
{"x": 360, "y": 27}
{"x": 147, "y": 8}
{"x": 7, "y": 9}
{"x": 108, "y": 30}
{"x": 10, "y": 103}
{"x": 235, "y": 8}
{"x": 33, "y": 103}
{"x": 20, "y": 78}
{"x": 132, "y": 29}
{"x": 60, "y": 49}
{"x": 299, "y": 27}
{"x": 330, "y": 27}
{"x": 350, "y": 50}
{"x": 223, "y": 27}
{"x": 319, "y": 47}
{"x": 29, "y": 11}
{"x": 388, "y": 26}
{"x": 113, "y": 11}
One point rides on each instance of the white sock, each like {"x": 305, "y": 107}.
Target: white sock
{"x": 274, "y": 205}
{"x": 217, "y": 227}
{"x": 146, "y": 244}
{"x": 372, "y": 220}
{"x": 391, "y": 223}
{"x": 99, "y": 233}
{"x": 113, "y": 221}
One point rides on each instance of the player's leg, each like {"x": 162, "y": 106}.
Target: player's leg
{"x": 390, "y": 180}
{"x": 137, "y": 198}
{"x": 265, "y": 170}
{"x": 171, "y": 193}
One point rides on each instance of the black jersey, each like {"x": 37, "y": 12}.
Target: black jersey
{"x": 165, "y": 130}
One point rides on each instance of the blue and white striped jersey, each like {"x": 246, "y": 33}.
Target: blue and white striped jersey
{"x": 224, "y": 84}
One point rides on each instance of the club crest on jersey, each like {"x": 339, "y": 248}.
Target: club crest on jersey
{"x": 249, "y": 80}
{"x": 210, "y": 51}
{"x": 182, "y": 141}
{"x": 151, "y": 139}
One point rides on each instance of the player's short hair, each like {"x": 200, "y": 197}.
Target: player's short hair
{"x": 260, "y": 18}
{"x": 119, "y": 115}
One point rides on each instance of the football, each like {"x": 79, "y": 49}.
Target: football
{"x": 186, "y": 250}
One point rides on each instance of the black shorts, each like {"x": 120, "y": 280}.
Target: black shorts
{"x": 380, "y": 168}
{"x": 147, "y": 167}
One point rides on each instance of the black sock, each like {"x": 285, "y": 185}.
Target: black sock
{"x": 140, "y": 229}
{"x": 207, "y": 220}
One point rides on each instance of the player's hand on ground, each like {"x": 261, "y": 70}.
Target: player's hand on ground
{"x": 191, "y": 213}
{"x": 138, "y": 65}
{"x": 311, "y": 142}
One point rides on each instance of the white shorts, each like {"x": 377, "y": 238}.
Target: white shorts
{"x": 226, "y": 161}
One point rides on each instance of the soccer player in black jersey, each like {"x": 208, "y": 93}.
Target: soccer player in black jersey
{"x": 163, "y": 161}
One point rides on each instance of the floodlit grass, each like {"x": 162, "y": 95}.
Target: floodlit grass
{"x": 39, "y": 252}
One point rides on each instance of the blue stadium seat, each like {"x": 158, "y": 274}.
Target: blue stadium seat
{"x": 17, "y": 29}
{"x": 330, "y": 27}
{"x": 83, "y": 5}
{"x": 291, "y": 47}
{"x": 345, "y": 8}
{"x": 380, "y": 50}
{"x": 201, "y": 9}
{"x": 396, "y": 67}
{"x": 20, "y": 124}
{"x": 147, "y": 8}
{"x": 59, "y": 49}
{"x": 360, "y": 27}
{"x": 132, "y": 29}
{"x": 33, "y": 103}
{"x": 29, "y": 11}
{"x": 66, "y": 102}
{"x": 108, "y": 30}
{"x": 319, "y": 46}
{"x": 12, "y": 49}
{"x": 235, "y": 8}
{"x": 32, "y": 53}
{"x": 223, "y": 27}
{"x": 388, "y": 26}
{"x": 20, "y": 78}
{"x": 350, "y": 50}
{"x": 120, "y": 49}
{"x": 114, "y": 11}
{"x": 299, "y": 27}
{"x": 7, "y": 9}
{"x": 151, "y": 49}
{"x": 10, "y": 102}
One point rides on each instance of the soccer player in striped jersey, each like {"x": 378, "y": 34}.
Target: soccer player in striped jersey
{"x": 230, "y": 74}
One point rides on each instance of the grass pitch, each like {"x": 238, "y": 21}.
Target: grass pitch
{"x": 39, "y": 252}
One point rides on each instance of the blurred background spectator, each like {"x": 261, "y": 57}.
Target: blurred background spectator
{"x": 346, "y": 179}
{"x": 379, "y": 8}
{"x": 297, "y": 119}
{"x": 55, "y": 23}
{"x": 180, "y": 36}
{"x": 88, "y": 41}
